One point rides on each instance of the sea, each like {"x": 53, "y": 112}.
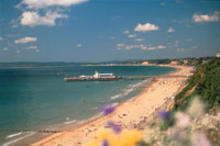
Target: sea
{"x": 33, "y": 98}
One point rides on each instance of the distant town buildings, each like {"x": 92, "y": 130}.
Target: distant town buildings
{"x": 218, "y": 55}
{"x": 185, "y": 61}
{"x": 145, "y": 63}
{"x": 174, "y": 62}
{"x": 204, "y": 61}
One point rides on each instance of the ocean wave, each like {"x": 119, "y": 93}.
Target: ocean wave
{"x": 27, "y": 134}
{"x": 13, "y": 135}
{"x": 70, "y": 122}
{"x": 129, "y": 89}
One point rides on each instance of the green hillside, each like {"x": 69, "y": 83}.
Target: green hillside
{"x": 205, "y": 82}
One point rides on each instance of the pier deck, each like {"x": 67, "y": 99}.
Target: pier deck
{"x": 92, "y": 79}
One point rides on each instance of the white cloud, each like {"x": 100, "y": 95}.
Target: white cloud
{"x": 139, "y": 40}
{"x": 130, "y": 47}
{"x": 161, "y": 47}
{"x": 143, "y": 47}
{"x": 79, "y": 45}
{"x": 206, "y": 18}
{"x": 170, "y": 29}
{"x": 32, "y": 18}
{"x": 43, "y": 12}
{"x": 132, "y": 36}
{"x": 120, "y": 46}
{"x": 126, "y": 32}
{"x": 35, "y": 48}
{"x": 146, "y": 27}
{"x": 37, "y": 4}
{"x": 31, "y": 48}
{"x": 5, "y": 49}
{"x": 151, "y": 48}
{"x": 180, "y": 49}
{"x": 25, "y": 40}
{"x": 1, "y": 38}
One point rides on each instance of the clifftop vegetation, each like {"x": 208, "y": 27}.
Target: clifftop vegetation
{"x": 205, "y": 83}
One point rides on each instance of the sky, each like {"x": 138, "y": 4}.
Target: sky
{"x": 107, "y": 30}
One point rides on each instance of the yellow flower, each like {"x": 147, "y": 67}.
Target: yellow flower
{"x": 125, "y": 138}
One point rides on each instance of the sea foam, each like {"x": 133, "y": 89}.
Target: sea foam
{"x": 13, "y": 135}
{"x": 129, "y": 89}
{"x": 70, "y": 122}
{"x": 19, "y": 138}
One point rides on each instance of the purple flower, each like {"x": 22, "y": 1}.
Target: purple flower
{"x": 164, "y": 115}
{"x": 107, "y": 109}
{"x": 105, "y": 143}
{"x": 116, "y": 128}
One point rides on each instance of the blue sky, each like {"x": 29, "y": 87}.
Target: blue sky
{"x": 104, "y": 30}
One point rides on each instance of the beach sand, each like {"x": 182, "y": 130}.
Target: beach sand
{"x": 128, "y": 114}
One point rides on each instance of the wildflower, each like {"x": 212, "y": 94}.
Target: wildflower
{"x": 196, "y": 108}
{"x": 108, "y": 137}
{"x": 164, "y": 115}
{"x": 182, "y": 120}
{"x": 116, "y": 128}
{"x": 199, "y": 139}
{"x": 142, "y": 143}
{"x": 107, "y": 109}
{"x": 105, "y": 143}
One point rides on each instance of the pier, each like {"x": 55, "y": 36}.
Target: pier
{"x": 120, "y": 78}
{"x": 92, "y": 79}
{"x": 96, "y": 77}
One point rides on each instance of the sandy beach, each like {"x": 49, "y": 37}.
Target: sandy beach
{"x": 128, "y": 114}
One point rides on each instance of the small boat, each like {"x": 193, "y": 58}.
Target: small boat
{"x": 96, "y": 77}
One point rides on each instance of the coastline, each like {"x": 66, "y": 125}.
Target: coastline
{"x": 127, "y": 114}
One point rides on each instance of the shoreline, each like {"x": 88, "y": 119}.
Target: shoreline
{"x": 81, "y": 132}
{"x": 37, "y": 136}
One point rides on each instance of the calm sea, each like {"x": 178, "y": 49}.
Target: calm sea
{"x": 32, "y": 98}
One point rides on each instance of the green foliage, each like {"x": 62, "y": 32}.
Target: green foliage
{"x": 142, "y": 143}
{"x": 160, "y": 61}
{"x": 206, "y": 81}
